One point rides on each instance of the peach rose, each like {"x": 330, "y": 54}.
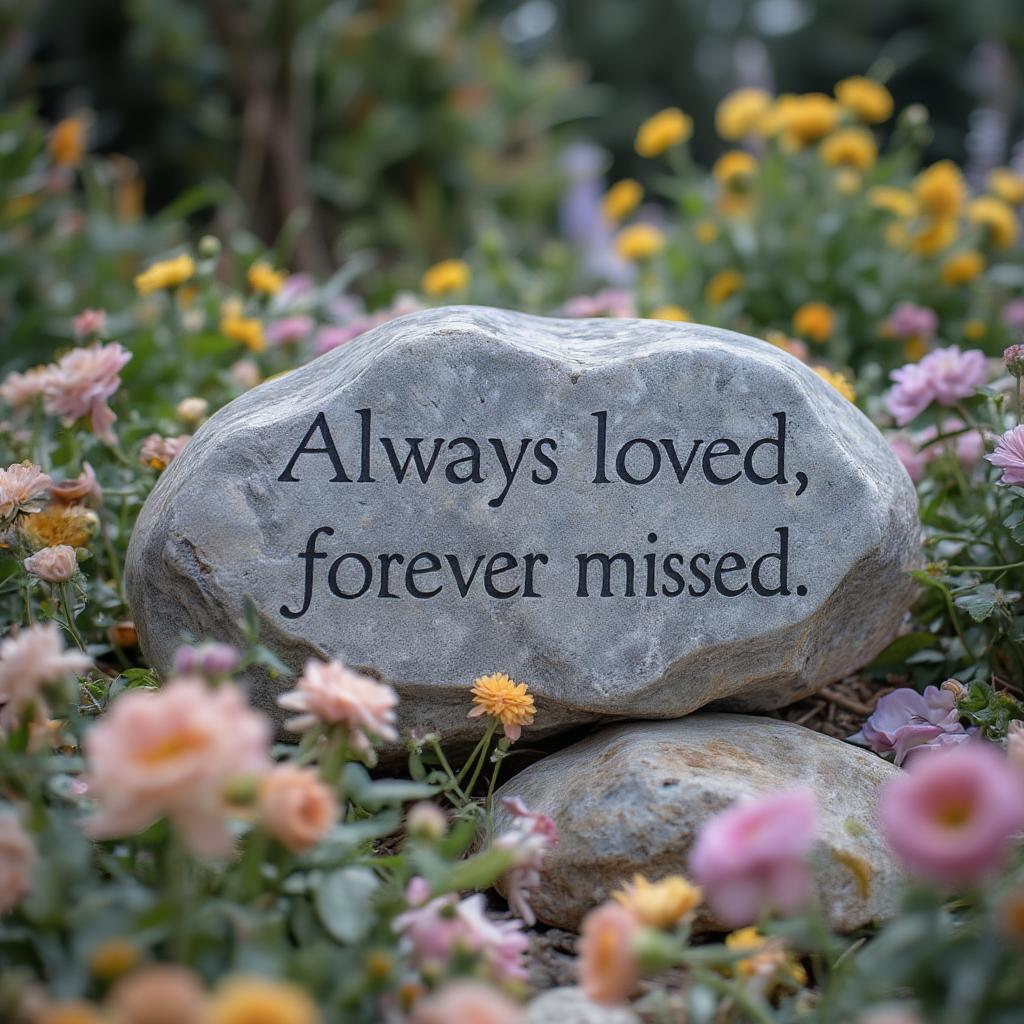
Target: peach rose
{"x": 159, "y": 994}
{"x": 297, "y": 808}
{"x": 607, "y": 966}
{"x": 55, "y": 565}
{"x": 470, "y": 1001}
{"x": 173, "y": 753}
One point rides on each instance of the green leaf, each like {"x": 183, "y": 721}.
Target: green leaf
{"x": 344, "y": 903}
{"x": 901, "y": 649}
{"x": 980, "y": 603}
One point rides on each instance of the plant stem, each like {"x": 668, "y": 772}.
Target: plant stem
{"x": 984, "y": 568}
{"x": 435, "y": 745}
{"x": 752, "y": 1007}
{"x": 65, "y": 596}
{"x": 485, "y": 745}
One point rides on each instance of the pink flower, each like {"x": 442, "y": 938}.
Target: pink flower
{"x": 466, "y": 1002}
{"x": 244, "y": 374}
{"x": 530, "y": 837}
{"x": 969, "y": 445}
{"x": 17, "y": 858}
{"x": 332, "y": 337}
{"x": 289, "y": 328}
{"x": 30, "y": 660}
{"x": 434, "y": 932}
{"x": 906, "y": 451}
{"x": 88, "y": 322}
{"x": 55, "y": 565}
{"x": 951, "y": 816}
{"x": 209, "y": 659}
{"x": 750, "y": 858}
{"x": 910, "y": 321}
{"x": 19, "y": 389}
{"x": 331, "y": 694}
{"x": 297, "y": 809}
{"x": 81, "y": 383}
{"x": 173, "y": 753}
{"x": 20, "y": 485}
{"x": 613, "y": 302}
{"x": 159, "y": 452}
{"x": 905, "y": 720}
{"x": 83, "y": 486}
{"x": 1013, "y": 314}
{"x": 1013, "y": 360}
{"x": 944, "y": 376}
{"x": 1009, "y": 456}
{"x": 607, "y": 965}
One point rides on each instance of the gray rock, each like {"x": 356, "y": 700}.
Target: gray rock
{"x": 631, "y": 798}
{"x": 812, "y": 486}
{"x": 571, "y": 1006}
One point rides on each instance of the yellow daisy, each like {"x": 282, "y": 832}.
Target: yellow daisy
{"x": 499, "y": 697}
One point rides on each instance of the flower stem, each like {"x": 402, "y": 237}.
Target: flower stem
{"x": 485, "y": 746}
{"x": 65, "y": 595}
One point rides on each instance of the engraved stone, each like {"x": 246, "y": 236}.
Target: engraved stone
{"x": 637, "y": 518}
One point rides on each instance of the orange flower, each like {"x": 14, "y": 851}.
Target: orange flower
{"x": 297, "y": 808}
{"x": 67, "y": 142}
{"x": 607, "y": 965}
{"x": 814, "y": 320}
{"x": 499, "y": 697}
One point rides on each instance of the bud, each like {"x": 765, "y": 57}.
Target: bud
{"x": 209, "y": 247}
{"x": 426, "y": 821}
{"x": 379, "y": 964}
{"x": 1014, "y": 359}
{"x": 192, "y": 410}
{"x": 955, "y": 687}
{"x": 242, "y": 790}
{"x": 212, "y": 659}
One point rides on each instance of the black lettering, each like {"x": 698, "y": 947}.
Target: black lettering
{"x": 385, "y": 574}
{"x": 412, "y": 571}
{"x": 702, "y": 576}
{"x": 473, "y": 458}
{"x": 722, "y": 568}
{"x": 415, "y": 455}
{"x": 509, "y": 470}
{"x": 779, "y": 444}
{"x": 365, "y": 419}
{"x": 601, "y": 447}
{"x": 670, "y": 450}
{"x": 329, "y": 449}
{"x": 332, "y": 575}
{"x": 531, "y": 559}
{"x": 620, "y": 461}
{"x": 782, "y": 557}
{"x": 729, "y": 448}
{"x": 493, "y": 570}
{"x": 545, "y": 460}
{"x": 676, "y": 577}
{"x": 461, "y": 583}
{"x": 606, "y": 573}
{"x": 310, "y": 555}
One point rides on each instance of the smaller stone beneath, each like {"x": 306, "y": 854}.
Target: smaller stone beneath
{"x": 632, "y": 798}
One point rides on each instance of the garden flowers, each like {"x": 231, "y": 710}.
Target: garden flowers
{"x": 17, "y": 857}
{"x": 906, "y": 721}
{"x": 21, "y": 487}
{"x": 168, "y": 273}
{"x": 750, "y": 858}
{"x": 950, "y": 818}
{"x": 508, "y": 702}
{"x": 945, "y": 376}
{"x": 296, "y": 807}
{"x": 327, "y": 693}
{"x": 660, "y": 904}
{"x": 1009, "y": 456}
{"x": 81, "y": 383}
{"x": 608, "y": 967}
{"x": 660, "y": 133}
{"x": 174, "y": 753}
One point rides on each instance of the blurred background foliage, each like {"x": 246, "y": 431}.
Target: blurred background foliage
{"x": 416, "y": 129}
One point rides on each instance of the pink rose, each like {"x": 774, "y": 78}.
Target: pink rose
{"x": 55, "y": 565}
{"x": 751, "y": 858}
{"x": 1009, "y": 456}
{"x": 297, "y": 809}
{"x": 81, "y": 383}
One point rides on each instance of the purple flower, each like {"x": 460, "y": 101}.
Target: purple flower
{"x": 905, "y": 720}
{"x": 945, "y": 376}
{"x": 1009, "y": 456}
{"x": 910, "y": 321}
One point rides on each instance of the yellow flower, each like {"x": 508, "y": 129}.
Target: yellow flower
{"x": 724, "y": 284}
{"x": 622, "y": 199}
{"x": 838, "y": 380}
{"x": 734, "y": 202}
{"x": 850, "y": 147}
{"x": 962, "y": 267}
{"x": 263, "y": 277}
{"x": 793, "y": 346}
{"x": 499, "y": 697}
{"x": 730, "y": 168}
{"x": 59, "y": 524}
{"x": 814, "y": 320}
{"x": 935, "y": 236}
{"x": 664, "y": 130}
{"x": 940, "y": 189}
{"x": 893, "y": 200}
{"x": 245, "y": 1000}
{"x": 639, "y": 242}
{"x": 975, "y": 330}
{"x": 705, "y": 231}
{"x": 868, "y": 99}
{"x": 774, "y": 120}
{"x": 246, "y": 329}
{"x": 165, "y": 274}
{"x": 659, "y": 904}
{"x": 113, "y": 958}
{"x": 741, "y": 113}
{"x": 670, "y": 312}
{"x": 1007, "y": 185}
{"x": 996, "y": 218}
{"x": 808, "y": 118}
{"x": 768, "y": 957}
{"x": 445, "y": 277}
{"x": 67, "y": 142}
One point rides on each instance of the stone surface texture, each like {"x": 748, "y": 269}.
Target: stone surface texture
{"x": 220, "y": 524}
{"x": 631, "y": 798}
{"x": 571, "y": 1006}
